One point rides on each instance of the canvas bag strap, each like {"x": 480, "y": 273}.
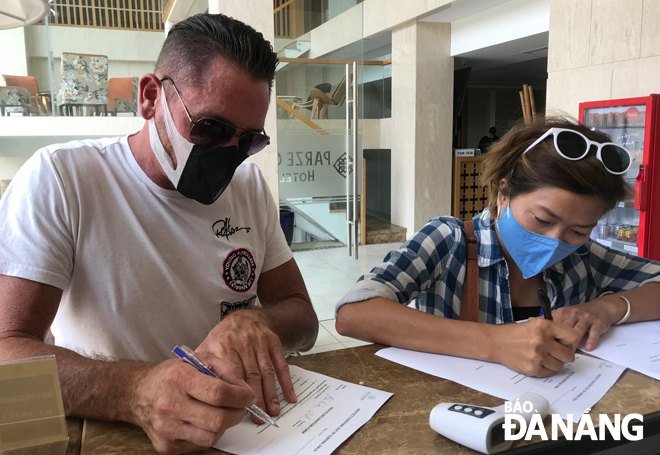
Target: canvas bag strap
{"x": 470, "y": 299}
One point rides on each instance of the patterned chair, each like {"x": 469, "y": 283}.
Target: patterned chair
{"x": 123, "y": 95}
{"x": 28, "y": 82}
{"x": 14, "y": 99}
{"x": 84, "y": 83}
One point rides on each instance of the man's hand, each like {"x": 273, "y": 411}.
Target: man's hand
{"x": 594, "y": 317}
{"x": 243, "y": 343}
{"x": 536, "y": 348}
{"x": 183, "y": 410}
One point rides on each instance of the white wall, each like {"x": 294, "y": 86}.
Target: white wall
{"x": 336, "y": 7}
{"x": 9, "y": 166}
{"x": 336, "y": 33}
{"x": 12, "y": 52}
{"x": 24, "y": 147}
{"x": 382, "y": 15}
{"x": 199, "y": 6}
{"x": 58, "y": 127}
{"x": 129, "y": 45}
{"x": 512, "y": 20}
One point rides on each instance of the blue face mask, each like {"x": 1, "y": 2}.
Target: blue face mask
{"x": 532, "y": 253}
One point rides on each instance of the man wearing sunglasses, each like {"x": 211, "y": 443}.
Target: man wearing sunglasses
{"x": 126, "y": 247}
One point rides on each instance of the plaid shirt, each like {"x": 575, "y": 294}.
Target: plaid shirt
{"x": 430, "y": 269}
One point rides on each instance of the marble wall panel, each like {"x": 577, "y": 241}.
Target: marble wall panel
{"x": 651, "y": 28}
{"x": 404, "y": 68}
{"x": 422, "y": 110}
{"x": 433, "y": 141}
{"x": 616, "y": 31}
{"x": 640, "y": 79}
{"x": 568, "y": 41}
{"x": 567, "y": 89}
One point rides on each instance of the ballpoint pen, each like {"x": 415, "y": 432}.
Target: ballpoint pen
{"x": 545, "y": 305}
{"x": 191, "y": 358}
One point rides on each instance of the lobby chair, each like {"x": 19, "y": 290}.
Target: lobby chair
{"x": 123, "y": 95}
{"x": 320, "y": 98}
{"x": 84, "y": 83}
{"x": 26, "y": 82}
{"x": 336, "y": 99}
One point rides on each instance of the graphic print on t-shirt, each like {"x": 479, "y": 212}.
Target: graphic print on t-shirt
{"x": 227, "y": 308}
{"x": 223, "y": 228}
{"x": 239, "y": 270}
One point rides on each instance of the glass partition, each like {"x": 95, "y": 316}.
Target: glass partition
{"x": 320, "y": 150}
{"x": 295, "y": 18}
{"x": 328, "y": 94}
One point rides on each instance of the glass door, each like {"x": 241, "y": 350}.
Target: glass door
{"x": 625, "y": 124}
{"x": 319, "y": 132}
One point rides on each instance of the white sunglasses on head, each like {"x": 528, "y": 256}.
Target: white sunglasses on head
{"x": 574, "y": 146}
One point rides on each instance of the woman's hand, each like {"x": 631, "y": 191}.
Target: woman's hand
{"x": 538, "y": 347}
{"x": 594, "y": 317}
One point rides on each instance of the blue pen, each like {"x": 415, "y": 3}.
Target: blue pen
{"x": 191, "y": 358}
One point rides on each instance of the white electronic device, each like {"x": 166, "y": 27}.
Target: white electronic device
{"x": 480, "y": 428}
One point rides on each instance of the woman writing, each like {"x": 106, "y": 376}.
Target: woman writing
{"x": 550, "y": 182}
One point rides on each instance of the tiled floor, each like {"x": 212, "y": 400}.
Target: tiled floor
{"x": 329, "y": 274}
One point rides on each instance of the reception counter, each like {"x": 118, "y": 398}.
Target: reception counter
{"x": 401, "y": 426}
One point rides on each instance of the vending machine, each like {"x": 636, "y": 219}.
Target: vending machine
{"x": 634, "y": 225}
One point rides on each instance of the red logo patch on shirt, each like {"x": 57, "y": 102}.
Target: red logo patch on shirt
{"x": 239, "y": 270}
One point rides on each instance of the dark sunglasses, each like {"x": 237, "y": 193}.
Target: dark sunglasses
{"x": 215, "y": 133}
{"x": 573, "y": 146}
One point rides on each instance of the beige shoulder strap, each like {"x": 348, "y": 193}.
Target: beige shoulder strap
{"x": 470, "y": 299}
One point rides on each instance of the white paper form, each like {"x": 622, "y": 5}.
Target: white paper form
{"x": 574, "y": 389}
{"x": 636, "y": 346}
{"x": 328, "y": 412}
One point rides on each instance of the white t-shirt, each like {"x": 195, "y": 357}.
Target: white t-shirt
{"x": 142, "y": 268}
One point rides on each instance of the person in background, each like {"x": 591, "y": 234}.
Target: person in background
{"x": 550, "y": 183}
{"x": 129, "y": 246}
{"x": 486, "y": 142}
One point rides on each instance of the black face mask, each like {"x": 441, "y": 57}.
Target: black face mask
{"x": 208, "y": 171}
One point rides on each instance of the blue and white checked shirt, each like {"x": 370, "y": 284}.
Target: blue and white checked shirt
{"x": 430, "y": 269}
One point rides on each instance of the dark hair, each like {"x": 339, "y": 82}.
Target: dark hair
{"x": 492, "y": 130}
{"x": 192, "y": 44}
{"x": 544, "y": 167}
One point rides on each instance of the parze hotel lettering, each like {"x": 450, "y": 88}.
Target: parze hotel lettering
{"x": 293, "y": 159}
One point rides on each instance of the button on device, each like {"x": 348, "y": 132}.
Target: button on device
{"x": 458, "y": 408}
{"x": 468, "y": 409}
{"x": 478, "y": 412}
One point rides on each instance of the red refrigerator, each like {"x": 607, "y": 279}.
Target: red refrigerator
{"x": 634, "y": 225}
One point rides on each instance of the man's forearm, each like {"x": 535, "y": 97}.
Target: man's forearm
{"x": 295, "y": 322}
{"x": 90, "y": 388}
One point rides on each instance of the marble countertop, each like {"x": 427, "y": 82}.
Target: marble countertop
{"x": 400, "y": 426}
